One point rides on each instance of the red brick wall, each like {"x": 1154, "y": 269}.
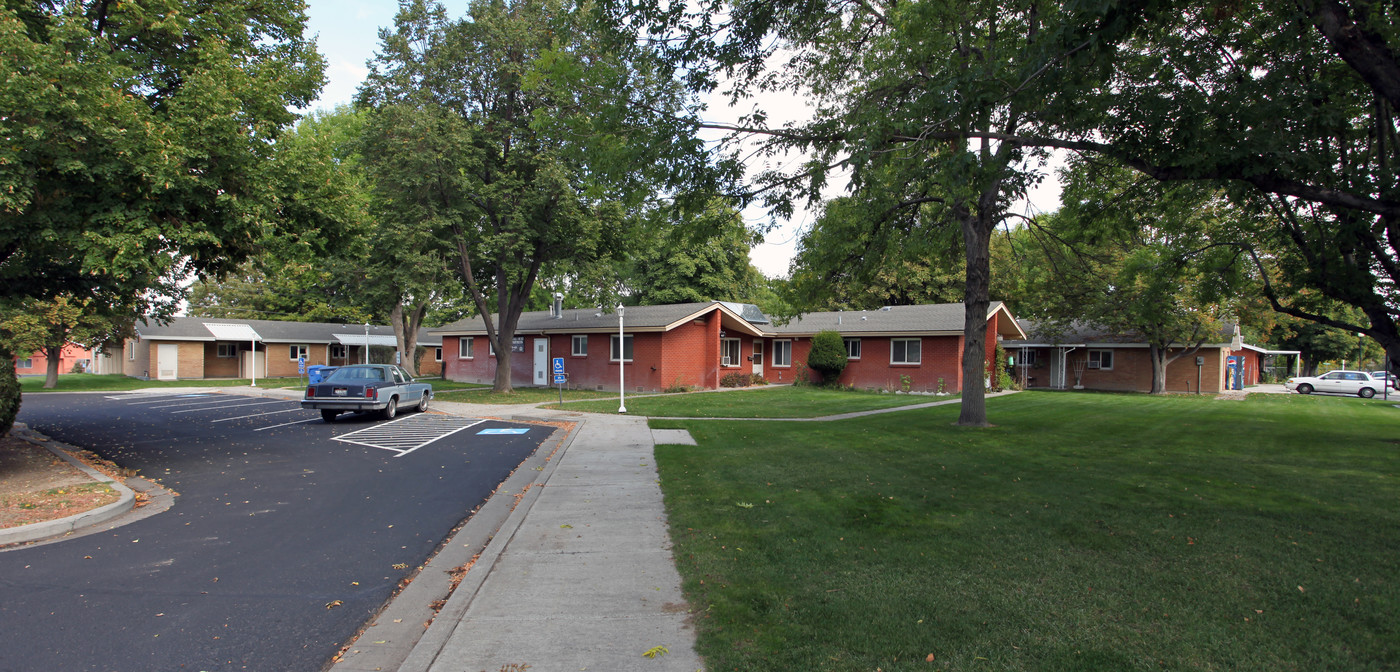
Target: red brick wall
{"x": 1132, "y": 371}
{"x": 940, "y": 358}
{"x": 69, "y": 354}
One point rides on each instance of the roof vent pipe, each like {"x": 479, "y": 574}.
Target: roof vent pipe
{"x": 558, "y": 307}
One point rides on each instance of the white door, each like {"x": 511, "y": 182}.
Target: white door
{"x": 542, "y": 362}
{"x": 757, "y": 357}
{"x": 254, "y": 364}
{"x": 167, "y": 361}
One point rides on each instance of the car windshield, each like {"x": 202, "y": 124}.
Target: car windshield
{"x": 356, "y": 374}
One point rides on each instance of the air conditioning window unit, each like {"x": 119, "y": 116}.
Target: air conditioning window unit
{"x": 1093, "y": 364}
{"x": 725, "y": 362}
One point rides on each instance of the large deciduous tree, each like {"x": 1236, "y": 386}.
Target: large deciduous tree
{"x": 1291, "y": 106}
{"x": 137, "y": 142}
{"x": 909, "y": 99}
{"x": 138, "y": 139}
{"x": 520, "y": 138}
{"x": 1133, "y": 256}
{"x": 48, "y": 326}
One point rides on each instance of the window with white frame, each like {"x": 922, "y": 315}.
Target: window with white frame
{"x": 626, "y": 348}
{"x": 296, "y": 352}
{"x": 580, "y": 345}
{"x": 338, "y": 351}
{"x": 26, "y": 363}
{"x": 905, "y": 351}
{"x": 1029, "y": 358}
{"x": 437, "y": 353}
{"x": 729, "y": 352}
{"x": 464, "y": 347}
{"x": 852, "y": 348}
{"x": 131, "y": 355}
{"x": 226, "y": 350}
{"x": 782, "y": 353}
{"x": 1101, "y": 360}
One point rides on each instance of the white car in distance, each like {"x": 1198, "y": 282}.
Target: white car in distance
{"x": 1359, "y": 383}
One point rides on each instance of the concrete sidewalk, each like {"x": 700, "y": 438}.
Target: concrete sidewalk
{"x": 580, "y": 577}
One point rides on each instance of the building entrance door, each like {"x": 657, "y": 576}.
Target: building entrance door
{"x": 167, "y": 361}
{"x": 542, "y": 362}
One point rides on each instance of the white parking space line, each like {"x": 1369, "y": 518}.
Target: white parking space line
{"x": 216, "y": 408}
{"x": 206, "y": 401}
{"x": 156, "y": 399}
{"x": 409, "y": 433}
{"x": 296, "y": 422}
{"x": 254, "y": 415}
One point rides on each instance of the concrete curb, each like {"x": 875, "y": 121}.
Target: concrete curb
{"x": 396, "y": 639}
{"x": 53, "y": 528}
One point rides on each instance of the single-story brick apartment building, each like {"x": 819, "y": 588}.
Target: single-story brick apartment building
{"x": 1087, "y": 357}
{"x": 206, "y": 347}
{"x": 71, "y": 355}
{"x": 698, "y": 344}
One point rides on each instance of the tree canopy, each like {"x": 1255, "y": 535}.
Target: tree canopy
{"x": 518, "y": 137}
{"x": 140, "y": 141}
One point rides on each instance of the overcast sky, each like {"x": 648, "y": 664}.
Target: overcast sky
{"x": 347, "y": 32}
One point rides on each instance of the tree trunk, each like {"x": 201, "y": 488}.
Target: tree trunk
{"x": 1159, "y": 369}
{"x": 51, "y": 370}
{"x": 977, "y": 243}
{"x": 506, "y": 335}
{"x": 406, "y": 334}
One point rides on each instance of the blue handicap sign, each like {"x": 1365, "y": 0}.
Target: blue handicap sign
{"x": 558, "y": 365}
{"x": 504, "y": 430}
{"x": 558, "y": 379}
{"x": 301, "y": 365}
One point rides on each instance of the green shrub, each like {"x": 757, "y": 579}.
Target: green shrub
{"x": 828, "y": 356}
{"x": 735, "y": 380}
{"x": 758, "y": 379}
{"x": 9, "y": 393}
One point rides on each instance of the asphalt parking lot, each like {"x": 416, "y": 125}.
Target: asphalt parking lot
{"x": 287, "y": 535}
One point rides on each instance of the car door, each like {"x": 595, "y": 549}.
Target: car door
{"x": 1330, "y": 382}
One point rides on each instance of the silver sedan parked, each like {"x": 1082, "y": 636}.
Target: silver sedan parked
{"x": 1359, "y": 383}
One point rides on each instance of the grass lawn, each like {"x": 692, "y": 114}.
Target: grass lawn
{"x": 116, "y": 382}
{"x": 482, "y": 394}
{"x": 760, "y": 402}
{"x": 1084, "y": 532}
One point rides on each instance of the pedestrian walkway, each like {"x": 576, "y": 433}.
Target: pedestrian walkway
{"x": 581, "y": 576}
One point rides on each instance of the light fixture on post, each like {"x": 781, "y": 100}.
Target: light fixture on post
{"x": 621, "y": 362}
{"x": 366, "y": 342}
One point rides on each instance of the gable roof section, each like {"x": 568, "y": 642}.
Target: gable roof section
{"x": 935, "y": 319}
{"x": 1081, "y": 334}
{"x": 271, "y": 331}
{"x": 593, "y": 320}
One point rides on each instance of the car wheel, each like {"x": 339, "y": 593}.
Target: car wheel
{"x": 329, "y": 416}
{"x": 1366, "y": 392}
{"x": 1305, "y": 389}
{"x": 392, "y": 409}
{"x": 423, "y": 403}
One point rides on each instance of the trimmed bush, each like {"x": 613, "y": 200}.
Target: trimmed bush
{"x": 735, "y": 380}
{"x": 9, "y": 394}
{"x": 828, "y": 356}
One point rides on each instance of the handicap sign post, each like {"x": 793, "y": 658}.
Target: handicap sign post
{"x": 559, "y": 376}
{"x": 301, "y": 365}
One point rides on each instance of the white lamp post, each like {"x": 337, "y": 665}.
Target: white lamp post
{"x": 366, "y": 342}
{"x": 621, "y": 363}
